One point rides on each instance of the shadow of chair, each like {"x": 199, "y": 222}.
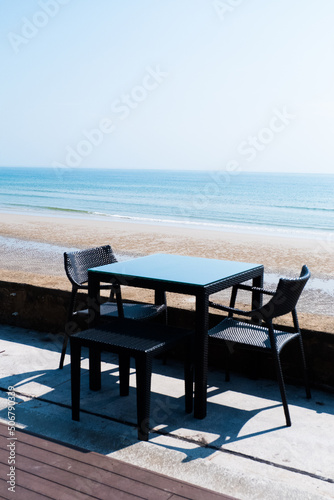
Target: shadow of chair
{"x": 263, "y": 336}
{"x": 130, "y": 338}
{"x": 76, "y": 267}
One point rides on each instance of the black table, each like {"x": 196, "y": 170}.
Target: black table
{"x": 180, "y": 274}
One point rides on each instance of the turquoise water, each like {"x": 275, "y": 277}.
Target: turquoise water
{"x": 292, "y": 204}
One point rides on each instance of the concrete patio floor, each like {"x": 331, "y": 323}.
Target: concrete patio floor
{"x": 242, "y": 448}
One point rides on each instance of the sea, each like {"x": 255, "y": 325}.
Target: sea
{"x": 285, "y": 204}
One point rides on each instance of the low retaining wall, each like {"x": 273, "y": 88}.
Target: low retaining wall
{"x": 45, "y": 310}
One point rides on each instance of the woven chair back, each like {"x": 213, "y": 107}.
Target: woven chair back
{"x": 286, "y": 296}
{"x": 78, "y": 263}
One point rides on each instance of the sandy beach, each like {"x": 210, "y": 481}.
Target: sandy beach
{"x": 31, "y": 249}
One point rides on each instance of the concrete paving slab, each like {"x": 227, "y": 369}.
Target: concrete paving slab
{"x": 242, "y": 448}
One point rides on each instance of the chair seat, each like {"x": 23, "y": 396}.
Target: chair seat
{"x": 131, "y": 311}
{"x": 248, "y": 334}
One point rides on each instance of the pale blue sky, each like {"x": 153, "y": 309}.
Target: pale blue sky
{"x": 180, "y": 84}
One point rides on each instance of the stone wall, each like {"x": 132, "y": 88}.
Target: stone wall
{"x": 45, "y": 310}
{"x": 29, "y": 306}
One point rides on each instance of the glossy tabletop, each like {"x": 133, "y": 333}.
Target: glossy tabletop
{"x": 194, "y": 271}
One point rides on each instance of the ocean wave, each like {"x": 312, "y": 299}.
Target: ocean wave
{"x": 54, "y": 209}
{"x": 312, "y": 209}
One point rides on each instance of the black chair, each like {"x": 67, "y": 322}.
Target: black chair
{"x": 263, "y": 336}
{"x": 76, "y": 268}
{"x": 130, "y": 338}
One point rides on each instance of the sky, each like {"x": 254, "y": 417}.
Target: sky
{"x": 168, "y": 84}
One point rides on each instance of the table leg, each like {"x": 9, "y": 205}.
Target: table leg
{"x": 75, "y": 379}
{"x": 143, "y": 378}
{"x": 189, "y": 376}
{"x": 257, "y": 297}
{"x": 201, "y": 354}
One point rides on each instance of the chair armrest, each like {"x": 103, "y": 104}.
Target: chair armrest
{"x": 101, "y": 287}
{"x": 230, "y": 309}
{"x": 106, "y": 287}
{"x": 255, "y": 289}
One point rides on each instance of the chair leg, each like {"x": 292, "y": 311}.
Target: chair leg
{"x": 124, "y": 374}
{"x": 233, "y": 299}
{"x": 75, "y": 380}
{"x": 282, "y": 389}
{"x": 63, "y": 352}
{"x": 119, "y": 302}
{"x": 160, "y": 298}
{"x": 94, "y": 369}
{"x": 68, "y": 325}
{"x": 143, "y": 376}
{"x": 306, "y": 379}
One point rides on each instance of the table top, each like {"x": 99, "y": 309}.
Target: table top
{"x": 195, "y": 271}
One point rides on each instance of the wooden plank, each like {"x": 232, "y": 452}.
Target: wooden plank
{"x": 46, "y": 486}
{"x": 88, "y": 481}
{"x": 100, "y": 475}
{"x": 20, "y": 493}
{"x": 47, "y": 467}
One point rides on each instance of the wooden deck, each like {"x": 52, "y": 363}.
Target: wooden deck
{"x": 48, "y": 469}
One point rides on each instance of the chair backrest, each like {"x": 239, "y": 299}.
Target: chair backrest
{"x": 78, "y": 263}
{"x": 286, "y": 296}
